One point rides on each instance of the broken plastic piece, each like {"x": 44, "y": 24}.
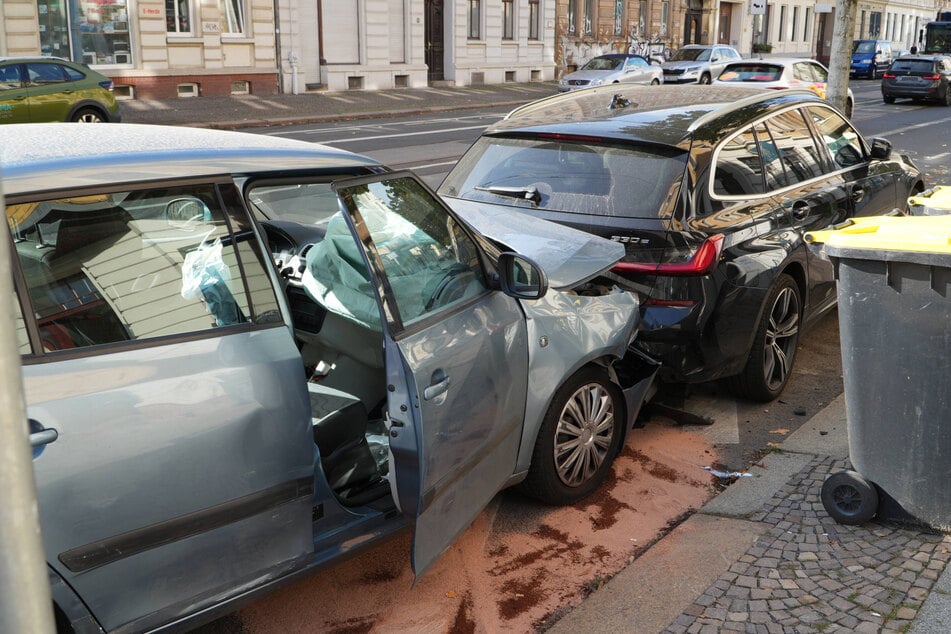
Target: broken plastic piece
{"x": 728, "y": 474}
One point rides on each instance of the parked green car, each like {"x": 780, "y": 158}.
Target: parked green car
{"x": 34, "y": 89}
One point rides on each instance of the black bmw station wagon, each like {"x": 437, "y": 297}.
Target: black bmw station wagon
{"x": 710, "y": 189}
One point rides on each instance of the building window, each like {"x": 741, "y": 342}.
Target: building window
{"x": 795, "y": 23}
{"x": 103, "y": 30}
{"x": 807, "y": 26}
{"x": 475, "y": 22}
{"x": 642, "y": 18}
{"x": 178, "y": 16}
{"x": 664, "y": 17}
{"x": 587, "y": 27}
{"x": 572, "y": 16}
{"x": 619, "y": 17}
{"x": 534, "y": 20}
{"x": 874, "y": 24}
{"x": 232, "y": 16}
{"x": 508, "y": 19}
{"x": 782, "y": 23}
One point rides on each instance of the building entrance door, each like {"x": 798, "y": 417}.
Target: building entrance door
{"x": 723, "y": 32}
{"x": 434, "y": 40}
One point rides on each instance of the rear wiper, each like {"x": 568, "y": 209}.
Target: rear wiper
{"x": 525, "y": 193}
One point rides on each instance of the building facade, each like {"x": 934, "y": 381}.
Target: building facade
{"x": 168, "y": 48}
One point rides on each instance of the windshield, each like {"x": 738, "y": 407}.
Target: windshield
{"x": 604, "y": 63}
{"x": 863, "y": 47}
{"x": 938, "y": 38}
{"x": 692, "y": 55}
{"x": 574, "y": 177}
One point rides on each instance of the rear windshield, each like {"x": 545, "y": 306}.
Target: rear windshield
{"x": 574, "y": 177}
{"x": 751, "y": 72}
{"x": 914, "y": 66}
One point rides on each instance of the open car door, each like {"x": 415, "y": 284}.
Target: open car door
{"x": 456, "y": 357}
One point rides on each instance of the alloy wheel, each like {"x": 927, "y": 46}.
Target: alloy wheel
{"x": 781, "y": 336}
{"x": 584, "y": 434}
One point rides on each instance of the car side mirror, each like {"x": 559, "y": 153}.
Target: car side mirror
{"x": 881, "y": 148}
{"x": 521, "y": 278}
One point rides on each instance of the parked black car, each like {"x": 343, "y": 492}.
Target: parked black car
{"x": 918, "y": 77}
{"x": 710, "y": 189}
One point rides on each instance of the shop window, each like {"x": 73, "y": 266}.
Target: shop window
{"x": 103, "y": 26}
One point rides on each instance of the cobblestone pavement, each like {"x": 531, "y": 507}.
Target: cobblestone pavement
{"x": 806, "y": 573}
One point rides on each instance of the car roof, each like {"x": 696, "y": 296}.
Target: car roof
{"x": 783, "y": 61}
{"x": 34, "y": 58}
{"x": 42, "y": 157}
{"x": 681, "y": 108}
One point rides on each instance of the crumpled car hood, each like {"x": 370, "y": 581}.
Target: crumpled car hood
{"x": 569, "y": 257}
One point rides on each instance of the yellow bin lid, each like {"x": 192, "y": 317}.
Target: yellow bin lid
{"x": 917, "y": 234}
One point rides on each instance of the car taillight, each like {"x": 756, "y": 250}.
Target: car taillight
{"x": 932, "y": 77}
{"x": 888, "y": 75}
{"x": 703, "y": 261}
{"x": 107, "y": 84}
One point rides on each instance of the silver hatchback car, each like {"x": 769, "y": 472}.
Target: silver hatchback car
{"x": 246, "y": 358}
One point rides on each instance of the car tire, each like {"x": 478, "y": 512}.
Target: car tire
{"x": 849, "y": 107}
{"x": 88, "y": 115}
{"x": 771, "y": 358}
{"x": 704, "y": 79}
{"x": 655, "y": 82}
{"x": 888, "y": 99}
{"x": 947, "y": 95}
{"x": 849, "y": 498}
{"x": 578, "y": 439}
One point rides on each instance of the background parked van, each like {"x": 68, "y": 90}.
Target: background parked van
{"x": 870, "y": 57}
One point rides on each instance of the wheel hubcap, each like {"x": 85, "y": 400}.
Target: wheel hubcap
{"x": 847, "y": 499}
{"x": 781, "y": 335}
{"x": 584, "y": 433}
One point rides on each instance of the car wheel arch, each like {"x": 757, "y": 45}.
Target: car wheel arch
{"x": 71, "y": 612}
{"x": 87, "y": 105}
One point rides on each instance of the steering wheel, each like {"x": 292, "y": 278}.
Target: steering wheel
{"x": 451, "y": 286}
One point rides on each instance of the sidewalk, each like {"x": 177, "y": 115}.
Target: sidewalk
{"x": 764, "y": 556}
{"x": 241, "y": 111}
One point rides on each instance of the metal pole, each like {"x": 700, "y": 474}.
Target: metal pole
{"x": 25, "y": 603}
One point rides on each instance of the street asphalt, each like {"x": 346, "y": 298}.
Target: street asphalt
{"x": 763, "y": 555}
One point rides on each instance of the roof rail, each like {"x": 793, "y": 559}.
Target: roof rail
{"x": 745, "y": 101}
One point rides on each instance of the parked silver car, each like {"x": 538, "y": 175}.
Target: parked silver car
{"x": 698, "y": 63}
{"x": 612, "y": 69}
{"x": 247, "y": 357}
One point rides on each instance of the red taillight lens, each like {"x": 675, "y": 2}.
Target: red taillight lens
{"x": 704, "y": 260}
{"x": 106, "y": 84}
{"x": 888, "y": 75}
{"x": 932, "y": 77}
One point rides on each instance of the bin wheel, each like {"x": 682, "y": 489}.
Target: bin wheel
{"x": 849, "y": 498}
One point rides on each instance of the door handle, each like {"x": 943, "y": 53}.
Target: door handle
{"x": 857, "y": 195}
{"x": 43, "y": 437}
{"x": 439, "y": 385}
{"x": 800, "y": 210}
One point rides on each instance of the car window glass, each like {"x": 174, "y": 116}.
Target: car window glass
{"x": 73, "y": 74}
{"x": 773, "y": 168}
{"x": 843, "y": 142}
{"x": 22, "y": 338}
{"x": 10, "y": 77}
{"x": 795, "y": 146}
{"x": 752, "y": 72}
{"x": 738, "y": 171}
{"x": 128, "y": 266}
{"x": 41, "y": 74}
{"x": 569, "y": 176}
{"x": 819, "y": 72}
{"x": 636, "y": 61}
{"x": 429, "y": 261}
{"x": 802, "y": 72}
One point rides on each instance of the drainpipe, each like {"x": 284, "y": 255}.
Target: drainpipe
{"x": 277, "y": 47}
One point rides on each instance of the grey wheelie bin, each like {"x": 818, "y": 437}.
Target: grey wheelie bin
{"x": 894, "y": 292}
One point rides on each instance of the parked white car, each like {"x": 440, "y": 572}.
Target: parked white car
{"x": 612, "y": 69}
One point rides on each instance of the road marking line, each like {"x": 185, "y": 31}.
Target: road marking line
{"x": 378, "y": 126}
{"x": 924, "y": 124}
{"x": 404, "y": 134}
{"x": 937, "y": 157}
